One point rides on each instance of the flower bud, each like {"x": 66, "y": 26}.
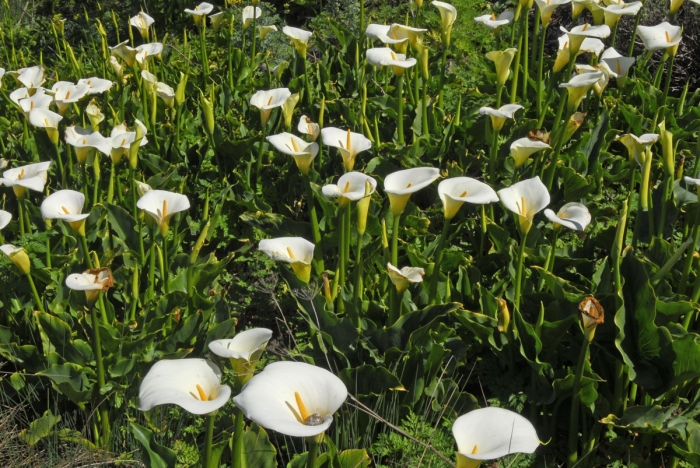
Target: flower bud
{"x": 180, "y": 92}
{"x": 592, "y": 315}
{"x": 208, "y": 111}
{"x": 363, "y": 209}
{"x": 18, "y": 256}
{"x": 503, "y": 315}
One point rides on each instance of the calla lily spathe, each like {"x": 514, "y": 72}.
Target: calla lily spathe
{"x": 414, "y": 36}
{"x": 617, "y": 63}
{"x": 502, "y": 60}
{"x": 265, "y": 30}
{"x": 200, "y": 12}
{"x": 92, "y": 282}
{"x": 383, "y": 33}
{"x": 66, "y": 93}
{"x": 637, "y": 145}
{"x": 66, "y": 205}
{"x": 296, "y": 251}
{"x": 142, "y": 22}
{"x": 525, "y": 198}
{"x": 385, "y": 57}
{"x": 300, "y": 39}
{"x": 614, "y": 12}
{"x": 302, "y": 151}
{"x": 243, "y": 350}
{"x": 5, "y": 218}
{"x": 124, "y": 52}
{"x": 192, "y": 384}
{"x": 493, "y": 22}
{"x": 522, "y": 148}
{"x": 40, "y": 100}
{"x": 572, "y": 215}
{"x": 662, "y": 36}
{"x": 547, "y": 7}
{"x": 591, "y": 5}
{"x": 268, "y": 100}
{"x": 166, "y": 93}
{"x": 162, "y": 205}
{"x": 579, "y": 33}
{"x": 448, "y": 15}
{"x": 96, "y": 85}
{"x": 248, "y": 13}
{"x": 456, "y": 191}
{"x": 18, "y": 256}
{"x": 499, "y": 116}
{"x": 145, "y": 52}
{"x": 44, "y": 118}
{"x": 83, "y": 140}
{"x": 32, "y": 177}
{"x": 578, "y": 87}
{"x": 404, "y": 277}
{"x": 590, "y": 45}
{"x": 216, "y": 20}
{"x": 292, "y": 398}
{"x": 491, "y": 433}
{"x": 350, "y": 187}
{"x": 400, "y": 185}
{"x": 32, "y": 78}
{"x": 308, "y": 127}
{"x": 349, "y": 144}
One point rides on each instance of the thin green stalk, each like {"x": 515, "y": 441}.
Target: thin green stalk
{"x": 312, "y": 454}
{"x": 519, "y": 272}
{"x": 152, "y": 268}
{"x": 630, "y": 52}
{"x": 203, "y": 51}
{"x": 621, "y": 382}
{"x": 575, "y": 404}
{"x": 29, "y": 220}
{"x": 258, "y": 164}
{"x": 689, "y": 257}
{"x": 86, "y": 252}
{"x": 341, "y": 256}
{"x": 239, "y": 458}
{"x": 37, "y": 299}
{"x": 525, "y": 56}
{"x": 536, "y": 38}
{"x": 658, "y": 75}
{"x": 103, "y": 407}
{"x": 20, "y": 207}
{"x": 667, "y": 86}
{"x": 348, "y": 234}
{"x": 206, "y": 456}
{"x": 165, "y": 267}
{"x": 307, "y": 84}
{"x": 134, "y": 293}
{"x": 318, "y": 251}
{"x": 395, "y": 241}
{"x": 60, "y": 166}
{"x": 254, "y": 44}
{"x": 424, "y": 108}
{"x": 551, "y": 255}
{"x": 644, "y": 194}
{"x": 484, "y": 229}
{"x": 399, "y": 97}
{"x": 443, "y": 73}
{"x": 513, "y": 24}
{"x": 668, "y": 192}
{"x": 493, "y": 156}
{"x": 432, "y": 295}
{"x": 110, "y": 188}
{"x": 359, "y": 281}
{"x": 614, "y": 35}
{"x": 540, "y": 71}
{"x": 516, "y": 72}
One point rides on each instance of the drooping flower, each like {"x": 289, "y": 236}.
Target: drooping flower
{"x": 124, "y": 52}
{"x": 18, "y": 256}
{"x": 244, "y": 351}
{"x": 296, "y": 251}
{"x": 403, "y": 278}
{"x": 349, "y": 144}
{"x": 579, "y": 33}
{"x": 145, "y": 52}
{"x": 96, "y": 85}
{"x": 292, "y": 398}
{"x": 162, "y": 205}
{"x": 493, "y": 22}
{"x": 268, "y": 100}
{"x": 66, "y": 205}
{"x": 614, "y": 12}
{"x": 637, "y": 145}
{"x": 166, "y": 93}
{"x": 265, "y": 30}
{"x": 200, "y": 12}
{"x": 32, "y": 177}
{"x": 662, "y": 36}
{"x": 92, "y": 282}
{"x": 525, "y": 198}
{"x": 547, "y": 7}
{"x": 383, "y": 33}
{"x": 572, "y": 215}
{"x": 499, "y": 116}
{"x": 247, "y": 15}
{"x": 385, "y": 57}
{"x": 32, "y": 78}
{"x": 351, "y": 186}
{"x": 142, "y": 22}
{"x": 400, "y": 185}
{"x": 300, "y": 39}
{"x": 192, "y": 384}
{"x": 308, "y": 127}
{"x": 491, "y": 433}
{"x": 302, "y": 151}
{"x": 456, "y": 191}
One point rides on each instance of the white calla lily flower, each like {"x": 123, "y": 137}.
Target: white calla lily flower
{"x": 5, "y": 218}
{"x": 32, "y": 177}
{"x": 296, "y": 251}
{"x": 300, "y": 39}
{"x": 95, "y": 115}
{"x": 142, "y": 22}
{"x": 124, "y": 52}
{"x": 40, "y": 100}
{"x": 589, "y": 45}
{"x": 268, "y": 100}
{"x": 44, "y": 118}
{"x": 265, "y": 30}
{"x": 593, "y": 6}
{"x": 19, "y": 94}
{"x": 662, "y": 36}
{"x": 383, "y": 33}
{"x": 499, "y": 116}
{"x": 32, "y": 77}
{"x": 92, "y": 282}
{"x": 403, "y": 278}
{"x": 579, "y": 33}
{"x": 491, "y": 433}
{"x": 2, "y": 73}
{"x": 456, "y": 191}
{"x": 493, "y": 22}
{"x": 385, "y": 57}
{"x": 292, "y": 398}
{"x": 4, "y": 163}
{"x": 302, "y": 151}
{"x": 349, "y": 144}
{"x": 117, "y": 67}
{"x": 637, "y": 145}
{"x": 142, "y": 187}
{"x": 522, "y": 148}
{"x": 525, "y": 198}
{"x": 547, "y": 7}
{"x": 66, "y": 93}
{"x": 602, "y": 83}
{"x": 578, "y": 87}
{"x": 200, "y": 12}
{"x": 18, "y": 256}
{"x": 448, "y": 15}
{"x": 145, "y": 52}
{"x": 162, "y": 205}
{"x": 614, "y": 12}
{"x": 617, "y": 63}
{"x": 676, "y": 5}
{"x": 502, "y": 61}
{"x": 66, "y": 205}
{"x": 166, "y": 93}
{"x": 83, "y": 140}
{"x": 308, "y": 127}
{"x": 414, "y": 36}
{"x": 400, "y": 185}
{"x": 248, "y": 13}
{"x": 192, "y": 384}
{"x": 351, "y": 186}
{"x": 573, "y": 215}
{"x": 217, "y": 20}
{"x": 243, "y": 350}
{"x": 96, "y": 85}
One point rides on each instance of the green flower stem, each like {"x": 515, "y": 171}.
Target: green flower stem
{"x": 103, "y": 407}
{"x": 525, "y": 56}
{"x": 341, "y": 256}
{"x": 239, "y": 458}
{"x": 134, "y": 293}
{"x": 551, "y": 255}
{"x": 165, "y": 266}
{"x": 630, "y": 52}
{"x": 161, "y": 263}
{"x": 84, "y": 180}
{"x": 28, "y": 218}
{"x": 443, "y": 77}
{"x": 151, "y": 268}
{"x": 399, "y": 97}
{"x": 424, "y": 107}
{"x": 206, "y": 456}
{"x": 318, "y": 251}
{"x": 493, "y": 156}
{"x": 258, "y": 164}
{"x": 86, "y": 252}
{"x": 307, "y": 84}
{"x": 60, "y": 166}
{"x": 668, "y": 193}
{"x": 348, "y": 234}
{"x": 536, "y": 38}
{"x": 621, "y": 382}
{"x": 110, "y": 188}
{"x": 575, "y": 405}
{"x": 254, "y": 43}
{"x": 614, "y": 35}
{"x": 540, "y": 71}
{"x": 644, "y": 195}
{"x": 37, "y": 300}
{"x": 499, "y": 94}
{"x": 203, "y": 51}
{"x": 512, "y": 29}
{"x": 658, "y": 75}
{"x": 395, "y": 241}
{"x": 312, "y": 454}
{"x": 358, "y": 281}
{"x": 516, "y": 71}
{"x": 20, "y": 218}
{"x": 416, "y": 91}
{"x": 667, "y": 86}
{"x": 484, "y": 230}
{"x": 689, "y": 257}
{"x": 432, "y": 295}
{"x": 519, "y": 272}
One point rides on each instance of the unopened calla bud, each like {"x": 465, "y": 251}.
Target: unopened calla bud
{"x": 424, "y": 63}
{"x": 667, "y": 149}
{"x": 180, "y": 92}
{"x": 573, "y": 124}
{"x": 592, "y": 315}
{"x": 288, "y": 109}
{"x": 18, "y": 256}
{"x": 208, "y": 111}
{"x": 363, "y": 208}
{"x": 135, "y": 145}
{"x": 503, "y": 315}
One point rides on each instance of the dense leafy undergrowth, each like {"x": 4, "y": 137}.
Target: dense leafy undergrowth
{"x": 427, "y": 300}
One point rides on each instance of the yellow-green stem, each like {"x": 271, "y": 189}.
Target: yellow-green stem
{"x": 575, "y": 403}
{"x": 206, "y": 456}
{"x": 37, "y": 299}
{"x": 519, "y": 272}
{"x": 399, "y": 97}
{"x": 318, "y": 251}
{"x": 432, "y": 295}
{"x": 102, "y": 402}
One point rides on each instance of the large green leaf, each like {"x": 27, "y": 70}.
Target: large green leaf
{"x": 259, "y": 451}
{"x": 39, "y": 428}
{"x": 155, "y": 455}
{"x": 369, "y": 380}
{"x": 72, "y": 381}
